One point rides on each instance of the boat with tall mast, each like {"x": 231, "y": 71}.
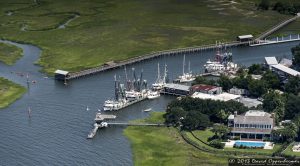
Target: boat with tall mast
{"x": 223, "y": 62}
{"x": 160, "y": 80}
{"x": 186, "y": 77}
{"x": 119, "y": 102}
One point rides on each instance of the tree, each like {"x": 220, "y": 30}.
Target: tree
{"x": 225, "y": 82}
{"x": 195, "y": 120}
{"x": 264, "y": 5}
{"x": 271, "y": 80}
{"x": 288, "y": 133}
{"x": 255, "y": 69}
{"x": 175, "y": 115}
{"x": 274, "y": 102}
{"x": 293, "y": 85}
{"x": 203, "y": 80}
{"x": 220, "y": 131}
{"x": 222, "y": 115}
{"x": 296, "y": 56}
{"x": 292, "y": 106}
{"x": 257, "y": 88}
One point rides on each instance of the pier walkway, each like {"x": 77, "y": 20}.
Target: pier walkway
{"x": 278, "y": 40}
{"x": 277, "y": 27}
{"x": 151, "y": 56}
{"x": 171, "y": 52}
{"x": 134, "y": 124}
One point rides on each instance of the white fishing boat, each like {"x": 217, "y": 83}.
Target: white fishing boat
{"x": 160, "y": 81}
{"x": 113, "y": 105}
{"x": 153, "y": 94}
{"x": 186, "y": 77}
{"x": 223, "y": 62}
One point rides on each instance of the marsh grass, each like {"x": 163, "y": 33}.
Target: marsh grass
{"x": 9, "y": 92}
{"x": 118, "y": 30}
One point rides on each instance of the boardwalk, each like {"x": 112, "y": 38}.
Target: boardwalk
{"x": 176, "y": 52}
{"x": 151, "y": 56}
{"x": 277, "y": 27}
{"x": 134, "y": 124}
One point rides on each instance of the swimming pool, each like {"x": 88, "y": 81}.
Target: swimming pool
{"x": 250, "y": 144}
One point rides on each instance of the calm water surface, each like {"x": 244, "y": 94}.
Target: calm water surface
{"x": 56, "y": 133}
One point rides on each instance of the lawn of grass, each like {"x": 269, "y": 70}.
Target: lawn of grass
{"x": 9, "y": 92}
{"x": 9, "y": 54}
{"x": 204, "y": 135}
{"x": 165, "y": 146}
{"x": 118, "y": 30}
{"x": 290, "y": 152}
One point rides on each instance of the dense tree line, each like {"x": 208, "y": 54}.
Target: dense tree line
{"x": 282, "y": 7}
{"x": 198, "y": 114}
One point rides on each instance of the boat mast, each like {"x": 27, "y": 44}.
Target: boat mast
{"x": 189, "y": 67}
{"x": 183, "y": 65}
{"x": 116, "y": 89}
{"x": 158, "y": 74}
{"x": 165, "y": 75}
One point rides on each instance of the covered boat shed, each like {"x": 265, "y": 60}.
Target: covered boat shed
{"x": 176, "y": 89}
{"x": 61, "y": 75}
{"x": 244, "y": 38}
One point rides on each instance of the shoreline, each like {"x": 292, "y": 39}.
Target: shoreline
{"x": 11, "y": 92}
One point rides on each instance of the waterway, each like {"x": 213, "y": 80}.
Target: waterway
{"x": 57, "y": 130}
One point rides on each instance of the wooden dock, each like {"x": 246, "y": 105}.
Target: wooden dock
{"x": 171, "y": 52}
{"x": 151, "y": 56}
{"x": 277, "y": 27}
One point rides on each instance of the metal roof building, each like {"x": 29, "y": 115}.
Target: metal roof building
{"x": 281, "y": 69}
{"x": 271, "y": 61}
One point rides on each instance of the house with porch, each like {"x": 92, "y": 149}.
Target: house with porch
{"x": 252, "y": 125}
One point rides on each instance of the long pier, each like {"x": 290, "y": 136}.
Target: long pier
{"x": 171, "y": 52}
{"x": 108, "y": 124}
{"x": 151, "y": 56}
{"x": 277, "y": 27}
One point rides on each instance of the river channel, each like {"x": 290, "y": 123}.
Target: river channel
{"x": 57, "y": 130}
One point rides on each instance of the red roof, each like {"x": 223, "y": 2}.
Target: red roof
{"x": 203, "y": 87}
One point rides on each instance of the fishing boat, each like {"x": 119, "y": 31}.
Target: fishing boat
{"x": 186, "y": 77}
{"x": 161, "y": 80}
{"x": 153, "y": 94}
{"x": 223, "y": 62}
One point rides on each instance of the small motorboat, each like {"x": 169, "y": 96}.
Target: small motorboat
{"x": 147, "y": 110}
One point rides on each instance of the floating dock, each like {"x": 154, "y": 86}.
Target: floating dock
{"x": 103, "y": 124}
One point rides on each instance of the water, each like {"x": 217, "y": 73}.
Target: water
{"x": 250, "y": 144}
{"x": 57, "y": 130}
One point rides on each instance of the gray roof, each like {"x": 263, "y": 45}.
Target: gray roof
{"x": 177, "y": 86}
{"x": 271, "y": 60}
{"x": 254, "y": 117}
{"x": 286, "y": 69}
{"x": 286, "y": 62}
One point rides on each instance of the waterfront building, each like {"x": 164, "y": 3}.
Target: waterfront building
{"x": 280, "y": 69}
{"x": 208, "y": 89}
{"x": 254, "y": 124}
{"x": 61, "y": 75}
{"x": 244, "y": 38}
{"x": 176, "y": 89}
{"x": 238, "y": 91}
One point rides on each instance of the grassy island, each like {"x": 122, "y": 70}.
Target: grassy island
{"x": 9, "y": 92}
{"x": 81, "y": 34}
{"x": 9, "y": 54}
